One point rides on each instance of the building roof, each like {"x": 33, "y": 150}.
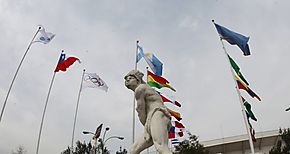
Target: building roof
{"x": 241, "y": 143}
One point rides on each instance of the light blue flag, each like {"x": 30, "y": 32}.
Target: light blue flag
{"x": 154, "y": 63}
{"x": 158, "y": 65}
{"x": 140, "y": 54}
{"x": 234, "y": 38}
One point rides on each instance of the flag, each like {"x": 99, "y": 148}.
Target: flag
{"x": 153, "y": 62}
{"x": 177, "y": 124}
{"x": 176, "y": 115}
{"x": 92, "y": 80}
{"x": 252, "y": 131}
{"x": 165, "y": 99}
{"x": 243, "y": 86}
{"x": 237, "y": 69}
{"x": 98, "y": 131}
{"x": 234, "y": 38}
{"x": 157, "y": 81}
{"x": 140, "y": 53}
{"x": 157, "y": 64}
{"x": 65, "y": 62}
{"x": 174, "y": 133}
{"x": 175, "y": 141}
{"x": 44, "y": 37}
{"x": 249, "y": 112}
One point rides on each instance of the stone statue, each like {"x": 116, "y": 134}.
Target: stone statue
{"x": 152, "y": 114}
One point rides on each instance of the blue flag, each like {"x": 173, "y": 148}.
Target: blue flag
{"x": 140, "y": 54}
{"x": 234, "y": 38}
{"x": 157, "y": 64}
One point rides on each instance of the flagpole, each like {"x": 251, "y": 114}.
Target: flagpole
{"x": 2, "y": 111}
{"x": 76, "y": 112}
{"x": 241, "y": 103}
{"x": 44, "y": 110}
{"x": 133, "y": 120}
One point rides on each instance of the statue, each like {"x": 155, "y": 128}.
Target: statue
{"x": 152, "y": 114}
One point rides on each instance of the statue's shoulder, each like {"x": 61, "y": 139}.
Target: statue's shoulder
{"x": 142, "y": 88}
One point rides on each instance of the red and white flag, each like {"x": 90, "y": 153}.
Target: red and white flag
{"x": 65, "y": 62}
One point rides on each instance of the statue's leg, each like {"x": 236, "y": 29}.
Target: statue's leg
{"x": 143, "y": 142}
{"x": 159, "y": 132}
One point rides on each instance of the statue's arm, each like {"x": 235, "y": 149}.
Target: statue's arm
{"x": 141, "y": 104}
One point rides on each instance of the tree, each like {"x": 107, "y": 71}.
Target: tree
{"x": 20, "y": 150}
{"x": 190, "y": 146}
{"x": 83, "y": 148}
{"x": 283, "y": 144}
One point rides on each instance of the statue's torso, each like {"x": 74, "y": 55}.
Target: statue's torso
{"x": 152, "y": 100}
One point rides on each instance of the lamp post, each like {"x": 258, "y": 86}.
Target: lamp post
{"x": 118, "y": 137}
{"x": 107, "y": 129}
{"x": 111, "y": 137}
{"x": 102, "y": 141}
{"x": 87, "y": 132}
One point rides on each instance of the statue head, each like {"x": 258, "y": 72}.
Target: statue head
{"x": 133, "y": 79}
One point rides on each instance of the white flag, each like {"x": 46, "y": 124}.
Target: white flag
{"x": 92, "y": 80}
{"x": 44, "y": 37}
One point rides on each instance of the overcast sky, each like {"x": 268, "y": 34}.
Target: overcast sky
{"x": 103, "y": 35}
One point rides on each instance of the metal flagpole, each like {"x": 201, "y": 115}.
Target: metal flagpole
{"x": 44, "y": 110}
{"x": 133, "y": 120}
{"x": 2, "y": 111}
{"x": 241, "y": 103}
{"x": 76, "y": 112}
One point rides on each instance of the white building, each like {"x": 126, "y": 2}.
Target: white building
{"x": 240, "y": 144}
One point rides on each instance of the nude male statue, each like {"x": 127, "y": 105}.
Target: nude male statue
{"x": 152, "y": 114}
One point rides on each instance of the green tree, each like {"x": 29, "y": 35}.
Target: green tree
{"x": 20, "y": 150}
{"x": 190, "y": 146}
{"x": 83, "y": 148}
{"x": 283, "y": 144}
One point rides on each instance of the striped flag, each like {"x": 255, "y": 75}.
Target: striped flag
{"x": 165, "y": 99}
{"x": 157, "y": 81}
{"x": 242, "y": 85}
{"x": 176, "y": 115}
{"x": 175, "y": 141}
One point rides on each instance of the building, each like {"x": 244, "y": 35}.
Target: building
{"x": 240, "y": 144}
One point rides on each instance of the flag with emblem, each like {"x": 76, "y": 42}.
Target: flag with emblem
{"x": 43, "y": 36}
{"x": 92, "y": 80}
